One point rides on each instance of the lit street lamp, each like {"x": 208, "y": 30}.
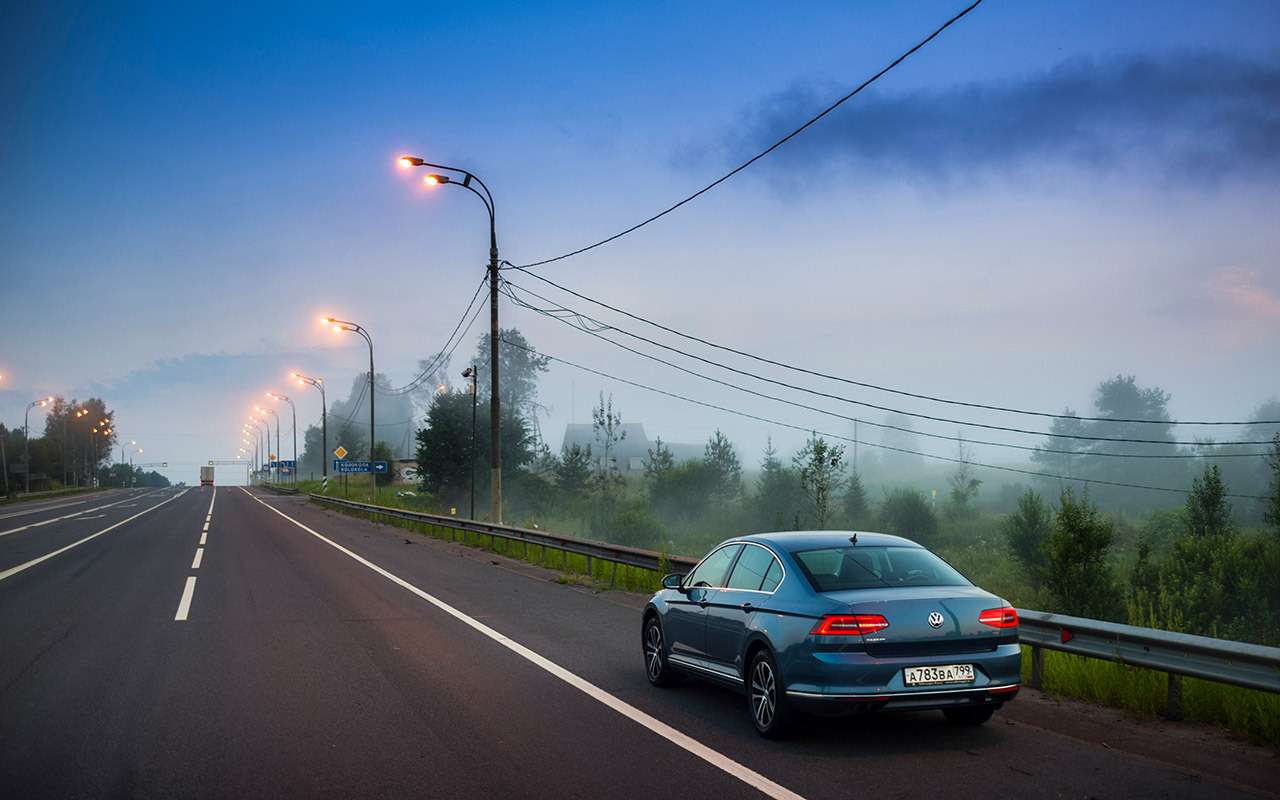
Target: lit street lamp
{"x": 324, "y": 418}
{"x": 294, "y": 409}
{"x": 272, "y": 412}
{"x": 26, "y": 435}
{"x": 495, "y": 446}
{"x": 339, "y": 325}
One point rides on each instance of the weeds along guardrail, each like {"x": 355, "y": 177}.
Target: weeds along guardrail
{"x": 1249, "y": 666}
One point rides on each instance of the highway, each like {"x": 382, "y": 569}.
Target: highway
{"x": 231, "y": 643}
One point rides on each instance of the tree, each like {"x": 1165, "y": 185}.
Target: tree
{"x": 722, "y": 461}
{"x": 1208, "y": 512}
{"x": 1272, "y": 512}
{"x": 820, "y": 465}
{"x": 1078, "y": 577}
{"x": 1027, "y": 533}
{"x": 856, "y": 508}
{"x": 606, "y": 425}
{"x": 964, "y": 486}
{"x": 444, "y": 448}
{"x": 779, "y": 496}
{"x": 573, "y": 470}
{"x": 906, "y": 513}
{"x": 519, "y": 365}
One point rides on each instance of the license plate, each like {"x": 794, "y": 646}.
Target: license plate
{"x": 947, "y": 673}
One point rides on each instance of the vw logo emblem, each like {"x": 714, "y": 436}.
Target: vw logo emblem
{"x": 935, "y": 619}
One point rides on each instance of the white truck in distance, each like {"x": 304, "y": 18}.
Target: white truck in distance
{"x": 206, "y": 476}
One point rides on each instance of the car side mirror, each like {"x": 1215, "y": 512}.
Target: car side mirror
{"x": 673, "y": 581}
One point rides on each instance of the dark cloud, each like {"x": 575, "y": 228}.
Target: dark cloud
{"x": 1198, "y": 116}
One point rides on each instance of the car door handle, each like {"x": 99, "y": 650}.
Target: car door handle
{"x": 748, "y": 608}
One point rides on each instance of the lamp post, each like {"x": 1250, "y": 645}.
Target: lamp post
{"x": 353, "y": 328}
{"x": 83, "y": 412}
{"x": 495, "y": 444}
{"x": 324, "y": 419}
{"x": 266, "y": 445}
{"x": 273, "y": 413}
{"x": 123, "y": 448}
{"x": 26, "y": 435}
{"x": 294, "y": 410}
{"x": 4, "y": 459}
{"x": 472, "y": 372}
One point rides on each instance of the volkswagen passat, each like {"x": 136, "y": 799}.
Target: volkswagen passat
{"x": 831, "y": 622}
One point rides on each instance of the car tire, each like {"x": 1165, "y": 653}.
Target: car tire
{"x": 656, "y": 667}
{"x": 767, "y": 697}
{"x": 968, "y": 716}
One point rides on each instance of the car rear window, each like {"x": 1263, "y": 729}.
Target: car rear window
{"x": 834, "y": 569}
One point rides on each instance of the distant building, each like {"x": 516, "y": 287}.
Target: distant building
{"x": 630, "y": 453}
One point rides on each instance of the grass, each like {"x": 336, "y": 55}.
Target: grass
{"x": 20, "y": 497}
{"x": 1253, "y": 714}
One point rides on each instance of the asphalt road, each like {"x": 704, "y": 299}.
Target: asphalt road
{"x": 303, "y": 653}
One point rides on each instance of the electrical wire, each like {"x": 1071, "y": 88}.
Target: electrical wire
{"x": 435, "y": 362}
{"x": 865, "y": 385}
{"x": 903, "y": 450}
{"x": 507, "y": 290}
{"x": 765, "y": 151}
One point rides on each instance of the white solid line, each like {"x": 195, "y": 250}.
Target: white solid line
{"x": 8, "y": 573}
{"x": 203, "y": 537}
{"x": 688, "y": 743}
{"x": 43, "y": 508}
{"x": 184, "y": 605}
{"x": 195, "y": 563}
{"x": 206, "y": 526}
{"x": 67, "y": 516}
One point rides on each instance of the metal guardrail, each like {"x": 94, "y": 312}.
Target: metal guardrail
{"x": 615, "y": 553}
{"x": 1235, "y": 663}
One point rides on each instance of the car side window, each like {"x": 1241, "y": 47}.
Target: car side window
{"x": 752, "y": 565}
{"x": 710, "y": 573}
{"x": 772, "y": 577}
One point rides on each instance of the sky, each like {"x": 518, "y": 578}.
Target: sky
{"x": 1047, "y": 195}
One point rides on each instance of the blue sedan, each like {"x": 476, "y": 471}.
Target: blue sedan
{"x": 834, "y": 622}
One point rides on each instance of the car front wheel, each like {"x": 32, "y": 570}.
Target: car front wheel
{"x": 656, "y": 668}
{"x": 767, "y": 697}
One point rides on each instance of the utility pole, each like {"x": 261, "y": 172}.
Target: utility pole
{"x": 495, "y": 418}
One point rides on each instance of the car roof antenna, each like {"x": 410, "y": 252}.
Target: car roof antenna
{"x": 854, "y": 538}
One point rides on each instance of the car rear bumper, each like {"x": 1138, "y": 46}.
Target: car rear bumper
{"x": 918, "y": 700}
{"x": 857, "y": 680}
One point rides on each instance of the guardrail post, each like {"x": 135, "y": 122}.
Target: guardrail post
{"x": 591, "y": 567}
{"x": 1173, "y": 708}
{"x": 1037, "y": 666}
{"x": 613, "y": 576}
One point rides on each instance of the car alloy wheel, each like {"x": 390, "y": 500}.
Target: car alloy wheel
{"x": 764, "y": 694}
{"x": 656, "y": 668}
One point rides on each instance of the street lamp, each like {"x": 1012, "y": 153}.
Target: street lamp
{"x": 266, "y": 449}
{"x": 495, "y": 445}
{"x": 26, "y": 434}
{"x": 339, "y": 325}
{"x": 123, "y": 448}
{"x": 306, "y": 380}
{"x": 272, "y": 412}
{"x": 472, "y": 373}
{"x": 294, "y": 409}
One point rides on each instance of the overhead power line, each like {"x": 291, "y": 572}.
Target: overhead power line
{"x": 436, "y": 362}
{"x": 765, "y": 151}
{"x": 877, "y": 387}
{"x": 593, "y": 327}
{"x": 804, "y": 429}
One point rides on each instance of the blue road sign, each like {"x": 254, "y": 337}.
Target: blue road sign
{"x": 281, "y": 464}
{"x": 342, "y": 465}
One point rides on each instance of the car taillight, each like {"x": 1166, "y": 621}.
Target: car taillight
{"x": 849, "y": 624}
{"x": 1006, "y": 617}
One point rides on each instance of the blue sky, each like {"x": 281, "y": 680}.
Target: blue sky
{"x": 1046, "y": 195}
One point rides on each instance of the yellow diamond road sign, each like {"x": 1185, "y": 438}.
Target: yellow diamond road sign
{"x": 341, "y": 452}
